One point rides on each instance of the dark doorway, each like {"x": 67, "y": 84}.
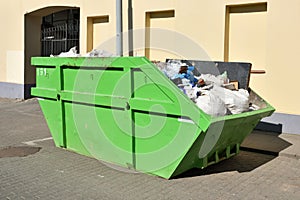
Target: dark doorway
{"x": 48, "y": 30}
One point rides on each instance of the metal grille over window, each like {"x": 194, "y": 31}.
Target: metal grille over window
{"x": 60, "y": 32}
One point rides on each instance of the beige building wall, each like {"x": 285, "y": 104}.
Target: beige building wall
{"x": 94, "y": 8}
{"x": 283, "y": 43}
{"x": 11, "y": 57}
{"x": 267, "y": 39}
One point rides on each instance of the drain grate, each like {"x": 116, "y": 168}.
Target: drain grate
{"x": 19, "y": 151}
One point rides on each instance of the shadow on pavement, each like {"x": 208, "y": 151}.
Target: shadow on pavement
{"x": 244, "y": 162}
{"x": 259, "y": 148}
{"x": 265, "y": 142}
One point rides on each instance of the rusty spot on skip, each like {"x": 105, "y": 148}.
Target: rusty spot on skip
{"x": 18, "y": 151}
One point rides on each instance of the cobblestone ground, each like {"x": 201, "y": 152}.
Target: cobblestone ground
{"x": 54, "y": 173}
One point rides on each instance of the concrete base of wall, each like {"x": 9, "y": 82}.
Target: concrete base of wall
{"x": 280, "y": 122}
{"x": 15, "y": 90}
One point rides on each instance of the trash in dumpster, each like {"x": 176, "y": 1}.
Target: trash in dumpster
{"x": 94, "y": 53}
{"x": 170, "y": 69}
{"x": 231, "y": 85}
{"x": 186, "y": 72}
{"x": 215, "y": 95}
{"x": 211, "y": 104}
{"x": 98, "y": 53}
{"x": 235, "y": 101}
{"x": 71, "y": 53}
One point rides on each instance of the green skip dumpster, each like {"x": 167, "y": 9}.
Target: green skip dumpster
{"x": 125, "y": 111}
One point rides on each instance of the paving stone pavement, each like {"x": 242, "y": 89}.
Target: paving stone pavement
{"x": 54, "y": 173}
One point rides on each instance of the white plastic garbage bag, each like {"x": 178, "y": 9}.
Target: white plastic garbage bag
{"x": 211, "y": 104}
{"x": 94, "y": 53}
{"x": 71, "y": 53}
{"x": 215, "y": 80}
{"x": 99, "y": 53}
{"x": 235, "y": 101}
{"x": 189, "y": 91}
{"x": 172, "y": 68}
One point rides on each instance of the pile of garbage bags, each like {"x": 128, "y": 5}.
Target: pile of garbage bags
{"x": 215, "y": 95}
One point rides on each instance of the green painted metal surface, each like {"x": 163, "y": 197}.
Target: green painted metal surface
{"x": 126, "y": 112}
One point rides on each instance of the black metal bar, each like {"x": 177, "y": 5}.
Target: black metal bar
{"x": 130, "y": 26}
